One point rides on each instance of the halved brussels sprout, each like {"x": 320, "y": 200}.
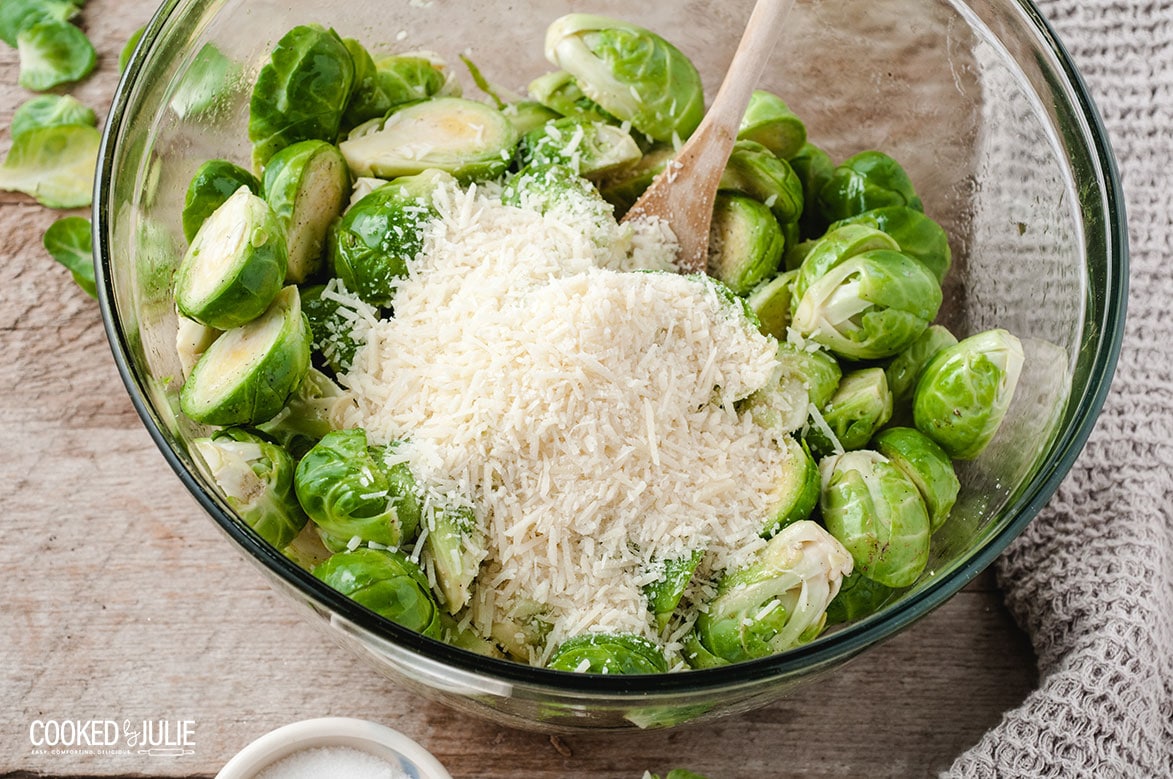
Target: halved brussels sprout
{"x": 819, "y": 371}
{"x": 455, "y": 546}
{"x": 836, "y": 246}
{"x": 590, "y": 149}
{"x": 213, "y": 183}
{"x": 248, "y": 373}
{"x": 665, "y": 593}
{"x": 234, "y": 266}
{"x": 405, "y": 78}
{"x": 634, "y": 74}
{"x": 860, "y": 406}
{"x": 781, "y": 404}
{"x": 770, "y": 122}
{"x": 388, "y": 583}
{"x": 869, "y": 306}
{"x": 608, "y": 653}
{"x": 926, "y": 464}
{"x": 795, "y": 494}
{"x": 745, "y": 242}
{"x": 965, "y": 390}
{"x": 918, "y": 236}
{"x": 349, "y": 490}
{"x": 814, "y": 169}
{"x": 905, "y": 368}
{"x": 301, "y": 92}
{"x": 312, "y": 411}
{"x": 191, "y": 340}
{"x": 255, "y": 475}
{"x": 470, "y": 140}
{"x": 859, "y": 597}
{"x": 307, "y": 185}
{"x": 870, "y": 179}
{"x": 754, "y": 170}
{"x": 877, "y": 513}
{"x": 623, "y": 187}
{"x": 775, "y": 603}
{"x": 333, "y": 325}
{"x": 559, "y": 92}
{"x": 771, "y": 301}
{"x": 528, "y": 115}
{"x": 377, "y": 236}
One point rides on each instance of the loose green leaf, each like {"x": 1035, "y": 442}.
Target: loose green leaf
{"x": 128, "y": 49}
{"x": 16, "y": 16}
{"x": 53, "y": 53}
{"x": 68, "y": 240}
{"x": 55, "y": 165}
{"x": 51, "y": 111}
{"x": 209, "y": 76}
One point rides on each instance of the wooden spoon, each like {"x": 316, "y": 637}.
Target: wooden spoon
{"x": 684, "y": 192}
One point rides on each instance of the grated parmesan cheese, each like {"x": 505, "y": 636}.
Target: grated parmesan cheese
{"x": 584, "y": 411}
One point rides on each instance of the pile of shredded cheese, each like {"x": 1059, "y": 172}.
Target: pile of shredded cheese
{"x": 584, "y": 411}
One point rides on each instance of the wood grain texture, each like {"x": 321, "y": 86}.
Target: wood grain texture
{"x": 120, "y": 600}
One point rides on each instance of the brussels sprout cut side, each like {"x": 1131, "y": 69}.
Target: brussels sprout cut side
{"x": 235, "y": 265}
{"x": 470, "y": 140}
{"x": 248, "y": 373}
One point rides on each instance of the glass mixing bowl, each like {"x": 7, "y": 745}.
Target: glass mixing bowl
{"x": 980, "y": 103}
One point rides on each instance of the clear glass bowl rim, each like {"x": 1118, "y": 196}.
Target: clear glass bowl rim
{"x": 826, "y": 650}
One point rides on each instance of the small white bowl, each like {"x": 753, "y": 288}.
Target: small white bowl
{"x": 362, "y": 735}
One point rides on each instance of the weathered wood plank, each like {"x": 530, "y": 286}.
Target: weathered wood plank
{"x": 120, "y": 600}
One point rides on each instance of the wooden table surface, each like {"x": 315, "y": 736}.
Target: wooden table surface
{"x": 121, "y": 601}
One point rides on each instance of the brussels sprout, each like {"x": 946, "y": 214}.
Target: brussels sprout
{"x": 213, "y": 182}
{"x": 770, "y": 122}
{"x": 781, "y": 404}
{"x": 386, "y": 582}
{"x": 623, "y": 187}
{"x": 926, "y": 464}
{"x": 312, "y": 411}
{"x": 349, "y": 490}
{"x": 870, "y": 179}
{"x": 634, "y": 74}
{"x": 528, "y": 115}
{"x": 69, "y": 242}
{"x": 53, "y": 53}
{"x": 745, "y": 242}
{"x": 405, "y": 78}
{"x": 771, "y": 302}
{"x": 334, "y": 324}
{"x": 301, "y": 92}
{"x": 191, "y": 340}
{"x": 16, "y": 16}
{"x": 814, "y": 168}
{"x": 795, "y": 494}
{"x": 307, "y": 185}
{"x": 860, "y": 406}
{"x": 818, "y": 370}
{"x": 51, "y": 111}
{"x": 248, "y": 373}
{"x": 754, "y": 170}
{"x": 835, "y": 247}
{"x": 255, "y": 475}
{"x": 869, "y": 306}
{"x": 377, "y": 236}
{"x": 905, "y": 369}
{"x": 859, "y": 597}
{"x": 55, "y": 165}
{"x": 522, "y": 629}
{"x": 664, "y": 593}
{"x": 875, "y": 510}
{"x": 590, "y": 149}
{"x": 964, "y": 391}
{"x": 545, "y": 188}
{"x": 464, "y": 637}
{"x": 918, "y": 236}
{"x": 608, "y": 653}
{"x": 455, "y": 546}
{"x": 235, "y": 265}
{"x": 775, "y": 603}
{"x": 559, "y": 92}
{"x": 470, "y": 140}
{"x": 206, "y": 83}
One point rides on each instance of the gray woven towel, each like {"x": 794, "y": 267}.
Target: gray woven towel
{"x": 1091, "y": 578}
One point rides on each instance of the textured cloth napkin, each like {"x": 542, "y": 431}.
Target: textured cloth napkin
{"x": 1091, "y": 578}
